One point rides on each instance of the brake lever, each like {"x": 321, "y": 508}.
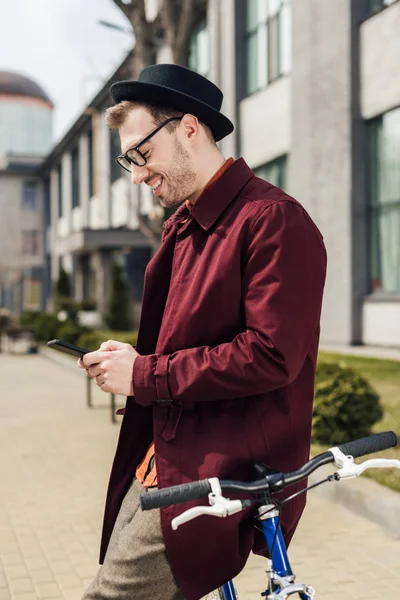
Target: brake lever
{"x": 220, "y": 506}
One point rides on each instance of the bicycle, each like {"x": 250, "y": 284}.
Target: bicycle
{"x": 281, "y": 581}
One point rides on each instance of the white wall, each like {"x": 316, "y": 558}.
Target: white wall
{"x": 380, "y": 62}
{"x": 381, "y": 323}
{"x": 265, "y": 123}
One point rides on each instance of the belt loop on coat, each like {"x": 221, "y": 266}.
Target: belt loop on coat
{"x": 174, "y": 415}
{"x": 161, "y": 380}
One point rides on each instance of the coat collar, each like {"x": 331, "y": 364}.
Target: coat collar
{"x": 213, "y": 202}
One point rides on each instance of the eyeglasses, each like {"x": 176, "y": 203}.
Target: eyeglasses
{"x": 133, "y": 156}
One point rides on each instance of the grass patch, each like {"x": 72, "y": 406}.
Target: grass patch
{"x": 384, "y": 375}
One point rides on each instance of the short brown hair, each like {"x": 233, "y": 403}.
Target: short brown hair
{"x": 116, "y": 115}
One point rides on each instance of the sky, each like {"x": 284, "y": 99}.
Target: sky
{"x": 60, "y": 45}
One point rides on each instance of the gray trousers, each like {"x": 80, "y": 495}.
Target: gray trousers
{"x": 135, "y": 566}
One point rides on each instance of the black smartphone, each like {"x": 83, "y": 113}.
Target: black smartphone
{"x": 67, "y": 348}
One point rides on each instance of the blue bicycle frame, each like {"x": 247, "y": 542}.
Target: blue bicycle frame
{"x": 269, "y": 520}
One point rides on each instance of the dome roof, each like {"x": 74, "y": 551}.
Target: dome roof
{"x": 14, "y": 84}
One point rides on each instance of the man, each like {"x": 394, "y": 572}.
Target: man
{"x": 223, "y": 372}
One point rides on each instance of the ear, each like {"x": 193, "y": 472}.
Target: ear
{"x": 191, "y": 126}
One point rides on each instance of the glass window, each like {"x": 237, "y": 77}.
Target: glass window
{"x": 91, "y": 174}
{"x": 274, "y": 172}
{"x": 30, "y": 195}
{"x": 60, "y": 188}
{"x": 377, "y": 5}
{"x": 199, "y": 50}
{"x": 31, "y": 294}
{"x": 46, "y": 200}
{"x": 30, "y": 242}
{"x": 75, "y": 177}
{"x": 268, "y": 43}
{"x": 384, "y": 202}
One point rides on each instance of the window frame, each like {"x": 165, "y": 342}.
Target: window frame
{"x": 201, "y": 26}
{"x": 375, "y": 208}
{"x": 278, "y": 70}
{"x": 60, "y": 190}
{"x": 371, "y": 12}
{"x": 29, "y": 205}
{"x": 280, "y": 162}
{"x": 75, "y": 177}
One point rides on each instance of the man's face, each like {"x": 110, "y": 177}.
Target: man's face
{"x": 169, "y": 169}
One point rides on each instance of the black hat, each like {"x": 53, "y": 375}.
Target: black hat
{"x": 180, "y": 88}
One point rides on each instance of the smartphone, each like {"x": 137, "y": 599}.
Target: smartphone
{"x": 67, "y": 348}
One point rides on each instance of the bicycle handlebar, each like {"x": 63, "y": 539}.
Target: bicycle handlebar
{"x": 370, "y": 444}
{"x": 271, "y": 483}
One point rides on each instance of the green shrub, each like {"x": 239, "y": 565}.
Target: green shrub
{"x": 67, "y": 304}
{"x": 63, "y": 284}
{"x": 88, "y": 305}
{"x": 93, "y": 339}
{"x": 7, "y": 319}
{"x": 70, "y": 331}
{"x": 345, "y": 406}
{"x": 118, "y": 314}
{"x": 46, "y": 327}
{"x": 29, "y": 317}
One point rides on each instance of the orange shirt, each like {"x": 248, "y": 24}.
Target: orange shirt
{"x": 146, "y": 473}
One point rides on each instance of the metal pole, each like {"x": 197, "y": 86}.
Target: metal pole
{"x": 113, "y": 407}
{"x": 88, "y": 392}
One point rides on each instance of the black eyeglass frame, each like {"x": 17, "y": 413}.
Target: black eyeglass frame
{"x": 130, "y": 160}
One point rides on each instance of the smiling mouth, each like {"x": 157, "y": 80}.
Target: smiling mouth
{"x": 156, "y": 185}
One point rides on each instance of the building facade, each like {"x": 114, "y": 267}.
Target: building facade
{"x": 25, "y": 138}
{"x": 94, "y": 211}
{"x": 314, "y": 91}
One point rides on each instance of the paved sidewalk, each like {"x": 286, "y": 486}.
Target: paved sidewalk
{"x": 365, "y": 351}
{"x": 55, "y": 457}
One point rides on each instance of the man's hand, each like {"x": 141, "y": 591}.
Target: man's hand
{"x": 111, "y": 366}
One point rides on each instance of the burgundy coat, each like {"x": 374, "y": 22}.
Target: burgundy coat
{"x": 228, "y": 340}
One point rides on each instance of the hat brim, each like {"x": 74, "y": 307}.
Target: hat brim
{"x": 161, "y": 95}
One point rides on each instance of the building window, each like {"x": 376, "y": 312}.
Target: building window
{"x": 268, "y": 42}
{"x": 46, "y": 201}
{"x": 115, "y": 149}
{"x": 91, "y": 173}
{"x": 274, "y": 172}
{"x": 30, "y": 242}
{"x": 375, "y": 6}
{"x": 75, "y": 177}
{"x": 384, "y": 202}
{"x": 60, "y": 188}
{"x": 30, "y": 195}
{"x": 199, "y": 50}
{"x": 31, "y": 294}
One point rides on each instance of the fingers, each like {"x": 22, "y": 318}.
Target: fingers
{"x": 94, "y": 371}
{"x": 92, "y": 358}
{"x": 100, "y": 379}
{"x": 112, "y": 345}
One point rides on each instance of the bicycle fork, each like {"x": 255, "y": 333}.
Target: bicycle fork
{"x": 281, "y": 579}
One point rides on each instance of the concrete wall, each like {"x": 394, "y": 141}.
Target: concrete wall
{"x": 380, "y": 62}
{"x": 320, "y": 165}
{"x": 381, "y": 323}
{"x": 265, "y": 123}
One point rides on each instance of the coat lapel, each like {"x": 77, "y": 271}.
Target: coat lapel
{"x": 156, "y": 287}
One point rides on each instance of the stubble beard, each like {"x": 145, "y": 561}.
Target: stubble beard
{"x": 181, "y": 177}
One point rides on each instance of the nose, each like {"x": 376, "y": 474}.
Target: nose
{"x": 138, "y": 174}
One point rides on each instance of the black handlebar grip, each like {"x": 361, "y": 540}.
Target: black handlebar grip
{"x": 370, "y": 444}
{"x": 175, "y": 494}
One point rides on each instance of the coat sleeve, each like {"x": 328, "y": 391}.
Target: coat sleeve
{"x": 283, "y": 279}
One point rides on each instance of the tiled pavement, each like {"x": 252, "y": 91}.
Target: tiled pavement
{"x": 55, "y": 456}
